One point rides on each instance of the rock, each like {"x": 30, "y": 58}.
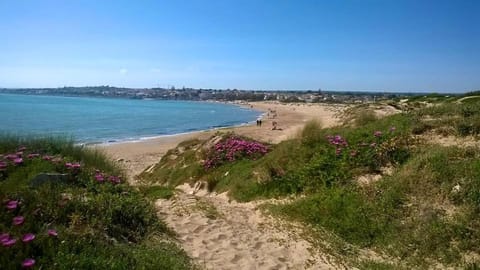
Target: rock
{"x": 200, "y": 188}
{"x": 150, "y": 169}
{"x": 43, "y": 178}
{"x": 456, "y": 188}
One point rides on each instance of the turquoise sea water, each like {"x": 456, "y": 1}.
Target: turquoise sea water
{"x": 98, "y": 120}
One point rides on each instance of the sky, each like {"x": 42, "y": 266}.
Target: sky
{"x": 355, "y": 45}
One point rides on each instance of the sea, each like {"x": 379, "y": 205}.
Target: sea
{"x": 92, "y": 120}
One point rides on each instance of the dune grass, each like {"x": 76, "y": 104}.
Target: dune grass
{"x": 156, "y": 192}
{"x": 81, "y": 220}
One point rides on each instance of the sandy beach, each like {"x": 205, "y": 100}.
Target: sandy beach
{"x": 290, "y": 118}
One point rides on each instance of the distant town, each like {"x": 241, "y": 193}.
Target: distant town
{"x": 307, "y": 96}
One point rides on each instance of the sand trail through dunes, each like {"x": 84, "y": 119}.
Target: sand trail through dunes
{"x": 222, "y": 234}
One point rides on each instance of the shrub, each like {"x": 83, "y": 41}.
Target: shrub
{"x": 311, "y": 133}
{"x": 365, "y": 117}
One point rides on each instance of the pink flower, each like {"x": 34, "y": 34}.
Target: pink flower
{"x": 12, "y": 205}
{"x": 18, "y": 220}
{"x": 114, "y": 179}
{"x": 18, "y": 161}
{"x": 3, "y": 165}
{"x": 392, "y": 129}
{"x": 6, "y": 240}
{"x": 47, "y": 157}
{"x": 28, "y": 237}
{"x": 377, "y": 133}
{"x": 76, "y": 165}
{"x": 4, "y": 237}
{"x": 52, "y": 232}
{"x": 33, "y": 155}
{"x": 27, "y": 263}
{"x": 11, "y": 156}
{"x": 9, "y": 242}
{"x": 99, "y": 177}
{"x": 22, "y": 148}
{"x": 68, "y": 165}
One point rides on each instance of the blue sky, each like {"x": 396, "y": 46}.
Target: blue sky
{"x": 382, "y": 45}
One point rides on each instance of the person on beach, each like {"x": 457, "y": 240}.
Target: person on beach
{"x": 274, "y": 124}
{"x": 259, "y": 122}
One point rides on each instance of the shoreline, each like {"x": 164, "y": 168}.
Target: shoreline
{"x": 136, "y": 156}
{"x": 146, "y": 138}
{"x": 261, "y": 113}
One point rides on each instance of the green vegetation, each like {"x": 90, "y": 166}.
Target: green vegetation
{"x": 208, "y": 209}
{"x": 156, "y": 192}
{"x": 176, "y": 166}
{"x": 66, "y": 207}
{"x": 423, "y": 212}
{"x": 456, "y": 118}
{"x": 426, "y": 210}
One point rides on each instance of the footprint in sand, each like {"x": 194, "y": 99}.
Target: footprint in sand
{"x": 221, "y": 237}
{"x": 199, "y": 229}
{"x": 236, "y": 258}
{"x": 258, "y": 245}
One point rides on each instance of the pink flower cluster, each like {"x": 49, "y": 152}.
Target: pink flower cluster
{"x": 339, "y": 142}
{"x": 13, "y": 158}
{"x": 8, "y": 240}
{"x": 232, "y": 149}
{"x": 102, "y": 177}
{"x": 19, "y": 156}
{"x": 73, "y": 166}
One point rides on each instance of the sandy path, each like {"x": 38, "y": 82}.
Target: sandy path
{"x": 222, "y": 234}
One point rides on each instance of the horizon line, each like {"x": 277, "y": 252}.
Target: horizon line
{"x": 257, "y": 90}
